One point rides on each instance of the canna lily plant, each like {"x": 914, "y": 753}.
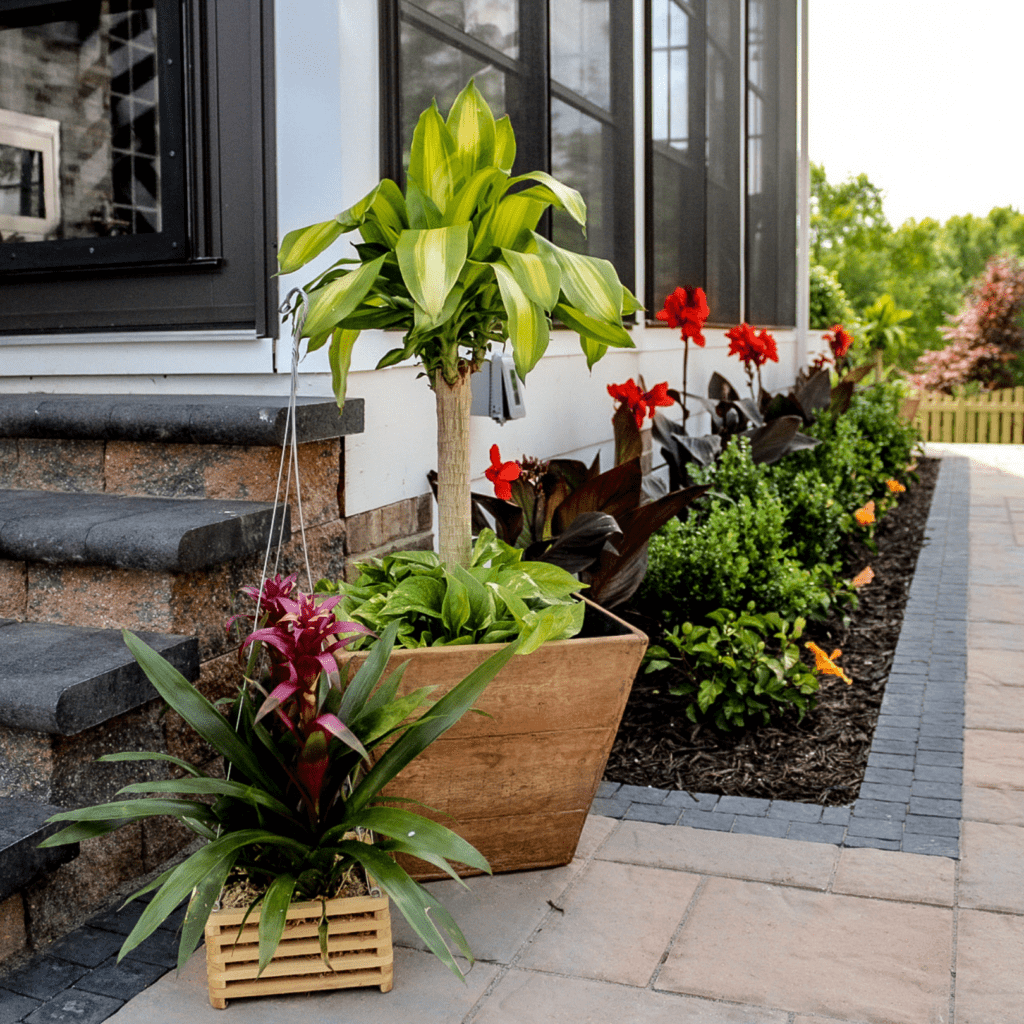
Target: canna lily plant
{"x": 301, "y": 805}
{"x": 456, "y": 263}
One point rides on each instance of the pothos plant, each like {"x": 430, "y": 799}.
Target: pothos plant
{"x": 456, "y": 263}
{"x": 301, "y": 804}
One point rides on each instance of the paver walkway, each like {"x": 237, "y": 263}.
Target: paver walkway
{"x": 655, "y": 924}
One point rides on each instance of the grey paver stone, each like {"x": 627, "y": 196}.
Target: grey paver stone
{"x": 875, "y": 827}
{"x": 814, "y": 832}
{"x": 120, "y": 980}
{"x": 937, "y": 808}
{"x": 889, "y": 793}
{"x": 938, "y": 790}
{"x": 86, "y": 946}
{"x": 13, "y": 1007}
{"x": 692, "y": 801}
{"x": 885, "y": 746}
{"x": 922, "y": 824}
{"x": 792, "y": 811}
{"x": 835, "y": 815}
{"x": 890, "y": 776}
{"x": 938, "y": 846}
{"x": 897, "y": 735}
{"x": 943, "y": 758}
{"x": 613, "y": 808}
{"x": 160, "y": 948}
{"x": 707, "y": 819}
{"x": 608, "y": 789}
{"x": 941, "y": 743}
{"x": 642, "y": 794}
{"x": 891, "y": 720}
{"x": 870, "y": 843}
{"x": 77, "y": 1007}
{"x": 937, "y": 773}
{"x": 742, "y": 805}
{"x": 43, "y": 977}
{"x": 776, "y": 827}
{"x": 877, "y": 759}
{"x": 659, "y": 814}
{"x": 879, "y": 809}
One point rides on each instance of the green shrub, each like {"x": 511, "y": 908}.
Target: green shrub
{"x": 742, "y": 667}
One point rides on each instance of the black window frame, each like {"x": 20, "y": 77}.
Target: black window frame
{"x": 225, "y": 278}
{"x": 533, "y": 68}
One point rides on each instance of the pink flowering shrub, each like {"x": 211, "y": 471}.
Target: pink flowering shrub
{"x": 984, "y": 337}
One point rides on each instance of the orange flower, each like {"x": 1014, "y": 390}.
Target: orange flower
{"x": 866, "y": 515}
{"x": 826, "y": 663}
{"x": 864, "y": 577}
{"x": 895, "y": 486}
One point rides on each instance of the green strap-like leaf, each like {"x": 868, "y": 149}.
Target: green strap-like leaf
{"x": 212, "y": 787}
{"x": 445, "y": 713}
{"x": 300, "y": 246}
{"x": 538, "y": 276}
{"x": 472, "y": 194}
{"x": 366, "y": 678}
{"x": 152, "y": 755}
{"x": 504, "y": 144}
{"x": 528, "y": 327}
{"x": 431, "y": 261}
{"x": 273, "y": 917}
{"x": 188, "y": 702}
{"x": 204, "y": 897}
{"x": 434, "y": 162}
{"x": 130, "y": 810}
{"x": 569, "y": 199}
{"x": 333, "y": 302}
{"x": 508, "y": 225}
{"x": 339, "y": 355}
{"x": 599, "y": 331}
{"x": 472, "y": 126}
{"x": 590, "y": 284}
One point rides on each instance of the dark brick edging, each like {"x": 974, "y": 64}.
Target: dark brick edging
{"x": 910, "y": 797}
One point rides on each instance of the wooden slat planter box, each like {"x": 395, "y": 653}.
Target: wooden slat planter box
{"x": 993, "y": 417}
{"x": 358, "y": 946}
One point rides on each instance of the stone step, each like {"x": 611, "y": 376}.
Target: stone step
{"x": 174, "y": 534}
{"x": 177, "y": 419}
{"x": 65, "y": 679}
{"x": 22, "y": 829}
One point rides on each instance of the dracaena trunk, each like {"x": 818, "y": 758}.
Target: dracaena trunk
{"x": 453, "y": 501}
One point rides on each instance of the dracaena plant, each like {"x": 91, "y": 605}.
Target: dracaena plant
{"x": 455, "y": 262}
{"x": 300, "y": 783}
{"x": 588, "y": 522}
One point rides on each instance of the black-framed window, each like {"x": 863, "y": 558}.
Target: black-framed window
{"x": 92, "y": 159}
{"x": 563, "y": 72}
{"x": 721, "y": 178}
{"x": 216, "y": 193}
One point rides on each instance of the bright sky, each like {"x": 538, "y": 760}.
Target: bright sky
{"x": 924, "y": 96}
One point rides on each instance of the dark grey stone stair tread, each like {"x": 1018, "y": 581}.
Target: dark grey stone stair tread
{"x": 188, "y": 419}
{"x": 22, "y": 829}
{"x": 178, "y": 534}
{"x": 63, "y": 679}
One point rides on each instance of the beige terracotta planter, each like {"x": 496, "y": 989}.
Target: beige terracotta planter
{"x": 358, "y": 947}
{"x": 518, "y": 784}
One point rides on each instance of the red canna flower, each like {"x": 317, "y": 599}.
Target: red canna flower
{"x": 839, "y": 340}
{"x": 657, "y": 396}
{"x": 752, "y": 348}
{"x": 640, "y": 403}
{"x": 687, "y": 309}
{"x": 501, "y": 474}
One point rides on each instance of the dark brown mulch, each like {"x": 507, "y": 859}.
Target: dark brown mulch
{"x": 822, "y": 758}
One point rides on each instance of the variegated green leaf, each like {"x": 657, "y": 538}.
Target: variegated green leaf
{"x": 300, "y": 246}
{"x": 528, "y": 327}
{"x": 434, "y": 162}
{"x": 423, "y": 211}
{"x": 590, "y": 284}
{"x": 589, "y": 327}
{"x": 431, "y": 261}
{"x": 335, "y": 301}
{"x": 504, "y": 144}
{"x": 389, "y": 209}
{"x": 538, "y": 276}
{"x": 340, "y": 357}
{"x": 507, "y": 225}
{"x": 568, "y": 198}
{"x": 630, "y": 303}
{"x": 473, "y": 194}
{"x": 472, "y": 125}
{"x": 593, "y": 350}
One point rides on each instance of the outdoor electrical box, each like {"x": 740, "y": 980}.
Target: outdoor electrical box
{"x": 497, "y": 390}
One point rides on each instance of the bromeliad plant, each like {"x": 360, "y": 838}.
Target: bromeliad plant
{"x": 301, "y": 792}
{"x": 456, "y": 263}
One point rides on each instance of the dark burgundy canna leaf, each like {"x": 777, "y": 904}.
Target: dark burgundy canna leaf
{"x": 780, "y": 437}
{"x": 616, "y": 492}
{"x": 577, "y": 548}
{"x": 628, "y": 443}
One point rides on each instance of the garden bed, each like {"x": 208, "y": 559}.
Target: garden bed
{"x": 821, "y": 759}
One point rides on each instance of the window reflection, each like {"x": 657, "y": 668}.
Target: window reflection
{"x": 494, "y": 22}
{"x": 580, "y": 48}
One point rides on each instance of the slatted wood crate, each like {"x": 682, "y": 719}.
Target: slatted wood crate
{"x": 358, "y": 946}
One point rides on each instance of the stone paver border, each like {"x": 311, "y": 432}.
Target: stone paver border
{"x": 910, "y": 799}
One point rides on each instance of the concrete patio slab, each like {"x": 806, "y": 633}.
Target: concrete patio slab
{"x": 1000, "y": 806}
{"x": 989, "y": 980}
{"x": 896, "y": 876}
{"x": 994, "y": 760}
{"x": 887, "y": 963}
{"x": 992, "y": 867}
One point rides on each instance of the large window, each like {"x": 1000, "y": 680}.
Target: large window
{"x": 134, "y": 150}
{"x": 721, "y": 189}
{"x": 561, "y": 70}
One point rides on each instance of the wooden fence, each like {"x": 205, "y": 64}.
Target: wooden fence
{"x": 993, "y": 417}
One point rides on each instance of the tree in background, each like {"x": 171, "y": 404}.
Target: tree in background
{"x": 829, "y": 304}
{"x": 985, "y": 342}
{"x": 925, "y": 266}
